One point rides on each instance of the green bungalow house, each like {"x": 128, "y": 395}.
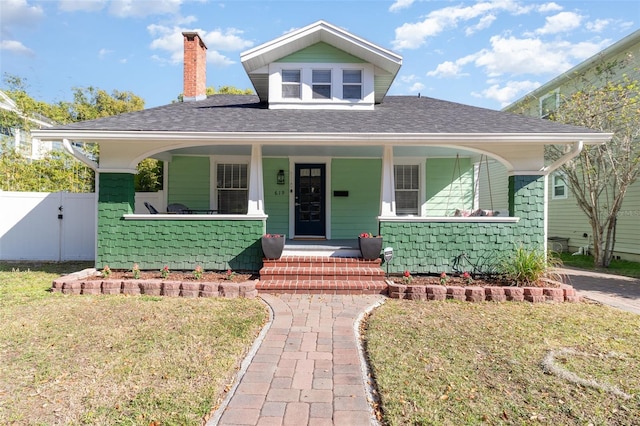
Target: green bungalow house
{"x": 320, "y": 153}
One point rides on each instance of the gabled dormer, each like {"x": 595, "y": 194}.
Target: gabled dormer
{"x": 321, "y": 67}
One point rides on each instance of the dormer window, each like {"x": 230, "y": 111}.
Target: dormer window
{"x": 291, "y": 84}
{"x": 321, "y": 84}
{"x": 352, "y": 84}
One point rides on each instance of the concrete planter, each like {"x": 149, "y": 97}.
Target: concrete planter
{"x": 370, "y": 247}
{"x": 272, "y": 246}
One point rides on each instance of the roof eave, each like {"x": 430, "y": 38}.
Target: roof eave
{"x": 283, "y": 138}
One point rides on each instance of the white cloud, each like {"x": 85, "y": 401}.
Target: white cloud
{"x": 408, "y": 78}
{"x": 81, "y": 5}
{"x": 400, "y": 4}
{"x": 15, "y": 47}
{"x": 562, "y": 22}
{"x": 598, "y": 25}
{"x": 484, "y": 23}
{"x": 102, "y": 53}
{"x": 170, "y": 39}
{"x": 414, "y": 35}
{"x": 18, "y": 13}
{"x": 137, "y": 8}
{"x": 549, "y": 7}
{"x": 417, "y": 87}
{"x": 510, "y": 55}
{"x": 446, "y": 69}
{"x": 508, "y": 93}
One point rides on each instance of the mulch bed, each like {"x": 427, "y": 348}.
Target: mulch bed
{"x": 459, "y": 281}
{"x": 183, "y": 276}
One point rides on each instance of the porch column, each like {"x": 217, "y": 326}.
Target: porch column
{"x": 256, "y": 184}
{"x": 527, "y": 201}
{"x": 387, "y": 191}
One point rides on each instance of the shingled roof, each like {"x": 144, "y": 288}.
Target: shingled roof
{"x": 396, "y": 115}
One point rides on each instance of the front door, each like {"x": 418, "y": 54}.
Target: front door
{"x": 310, "y": 214}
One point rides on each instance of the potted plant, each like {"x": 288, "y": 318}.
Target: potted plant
{"x": 370, "y": 246}
{"x": 272, "y": 245}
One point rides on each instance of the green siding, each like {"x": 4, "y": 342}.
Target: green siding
{"x": 358, "y": 212}
{"x": 276, "y": 197}
{"x": 180, "y": 244}
{"x": 443, "y": 195}
{"x": 321, "y": 53}
{"x": 189, "y": 182}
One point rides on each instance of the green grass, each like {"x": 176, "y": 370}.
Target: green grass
{"x": 114, "y": 359}
{"x": 618, "y": 267}
{"x": 447, "y": 363}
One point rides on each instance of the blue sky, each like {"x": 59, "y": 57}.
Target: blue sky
{"x": 486, "y": 53}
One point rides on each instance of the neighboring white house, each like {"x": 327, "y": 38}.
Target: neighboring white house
{"x": 566, "y": 219}
{"x": 20, "y": 138}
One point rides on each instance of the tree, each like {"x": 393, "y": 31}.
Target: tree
{"x": 58, "y": 171}
{"x": 601, "y": 175}
{"x": 223, "y": 90}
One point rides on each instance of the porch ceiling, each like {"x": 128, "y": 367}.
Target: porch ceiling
{"x": 321, "y": 151}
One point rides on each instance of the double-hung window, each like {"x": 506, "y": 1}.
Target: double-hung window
{"x": 321, "y": 84}
{"x": 351, "y": 84}
{"x": 291, "y": 84}
{"x": 232, "y": 188}
{"x": 407, "y": 191}
{"x": 560, "y": 189}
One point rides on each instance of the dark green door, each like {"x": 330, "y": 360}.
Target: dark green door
{"x": 310, "y": 212}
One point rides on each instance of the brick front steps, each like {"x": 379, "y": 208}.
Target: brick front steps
{"x": 564, "y": 293}
{"x": 321, "y": 275}
{"x": 77, "y": 283}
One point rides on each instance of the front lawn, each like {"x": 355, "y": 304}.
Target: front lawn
{"x": 448, "y": 363}
{"x": 115, "y": 359}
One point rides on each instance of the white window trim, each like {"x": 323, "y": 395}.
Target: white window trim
{"x": 299, "y": 84}
{"x": 564, "y": 184}
{"x": 276, "y": 101}
{"x": 555, "y": 94}
{"x": 352, "y": 84}
{"x": 422, "y": 202}
{"x": 213, "y": 174}
{"x": 330, "y": 83}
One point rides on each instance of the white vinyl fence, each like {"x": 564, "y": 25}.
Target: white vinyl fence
{"x": 55, "y": 226}
{"x": 47, "y": 226}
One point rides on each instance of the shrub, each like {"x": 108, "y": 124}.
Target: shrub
{"x": 527, "y": 266}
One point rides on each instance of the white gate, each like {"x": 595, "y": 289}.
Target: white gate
{"x": 47, "y": 226}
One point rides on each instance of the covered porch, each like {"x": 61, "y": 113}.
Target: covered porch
{"x": 407, "y": 191}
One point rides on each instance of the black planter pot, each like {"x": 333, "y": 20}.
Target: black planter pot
{"x": 370, "y": 247}
{"x": 272, "y": 246}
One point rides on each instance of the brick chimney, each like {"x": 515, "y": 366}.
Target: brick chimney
{"x": 195, "y": 67}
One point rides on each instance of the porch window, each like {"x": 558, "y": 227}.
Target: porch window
{"x": 560, "y": 189}
{"x": 232, "y": 188}
{"x": 291, "y": 84}
{"x": 407, "y": 191}
{"x": 321, "y": 84}
{"x": 352, "y": 84}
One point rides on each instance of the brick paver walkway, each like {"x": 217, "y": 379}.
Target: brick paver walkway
{"x": 307, "y": 369}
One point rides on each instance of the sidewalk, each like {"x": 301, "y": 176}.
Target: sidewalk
{"x": 613, "y": 290}
{"x": 307, "y": 367}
